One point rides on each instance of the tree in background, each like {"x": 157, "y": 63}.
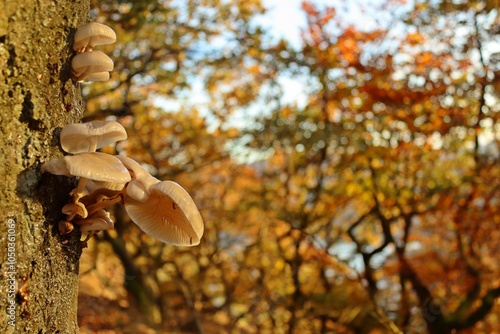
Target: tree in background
{"x": 165, "y": 51}
{"x": 383, "y": 166}
{"x": 371, "y": 203}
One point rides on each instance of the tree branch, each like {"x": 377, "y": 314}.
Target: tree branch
{"x": 487, "y": 303}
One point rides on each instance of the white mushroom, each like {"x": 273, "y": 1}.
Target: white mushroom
{"x": 164, "y": 210}
{"x": 104, "y": 194}
{"x": 87, "y": 137}
{"x": 142, "y": 181}
{"x": 86, "y": 64}
{"x": 94, "y": 185}
{"x": 98, "y": 76}
{"x": 92, "y": 34}
{"x": 95, "y": 166}
{"x": 169, "y": 215}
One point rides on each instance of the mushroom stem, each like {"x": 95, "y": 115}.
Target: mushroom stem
{"x": 90, "y": 235}
{"x": 78, "y": 193}
{"x": 93, "y": 145}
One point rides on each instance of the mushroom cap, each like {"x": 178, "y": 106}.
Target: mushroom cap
{"x": 99, "y": 221}
{"x": 97, "y": 76}
{"x": 97, "y": 60}
{"x": 92, "y": 34}
{"x": 169, "y": 215}
{"x": 142, "y": 181}
{"x": 93, "y": 185}
{"x": 83, "y": 137}
{"x": 73, "y": 209}
{"x": 65, "y": 227}
{"x": 96, "y": 225}
{"x": 87, "y": 63}
{"x": 96, "y": 166}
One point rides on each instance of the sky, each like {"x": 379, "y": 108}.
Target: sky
{"x": 285, "y": 19}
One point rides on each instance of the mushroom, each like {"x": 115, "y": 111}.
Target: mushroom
{"x": 98, "y": 76}
{"x": 103, "y": 194}
{"x": 163, "y": 210}
{"x": 142, "y": 181}
{"x": 95, "y": 166}
{"x": 73, "y": 209}
{"x": 169, "y": 215}
{"x": 65, "y": 227}
{"x": 92, "y": 34}
{"x": 135, "y": 190}
{"x": 99, "y": 221}
{"x": 88, "y": 137}
{"x": 86, "y": 64}
{"x": 94, "y": 185}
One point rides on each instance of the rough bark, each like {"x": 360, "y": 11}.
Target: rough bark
{"x": 37, "y": 98}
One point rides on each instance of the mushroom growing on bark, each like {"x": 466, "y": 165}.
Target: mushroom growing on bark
{"x": 95, "y": 166}
{"x": 98, "y": 76}
{"x": 162, "y": 209}
{"x": 135, "y": 190}
{"x": 73, "y": 209}
{"x": 92, "y": 34}
{"x": 87, "y": 64}
{"x": 99, "y": 221}
{"x": 88, "y": 137}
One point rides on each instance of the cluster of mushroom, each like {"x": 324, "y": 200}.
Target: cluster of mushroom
{"x": 162, "y": 209}
{"x": 90, "y": 65}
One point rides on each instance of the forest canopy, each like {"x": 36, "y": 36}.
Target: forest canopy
{"x": 349, "y": 182}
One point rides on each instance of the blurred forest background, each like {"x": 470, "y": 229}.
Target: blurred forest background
{"x": 349, "y": 182}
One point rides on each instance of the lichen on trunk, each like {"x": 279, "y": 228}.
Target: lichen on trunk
{"x": 37, "y": 98}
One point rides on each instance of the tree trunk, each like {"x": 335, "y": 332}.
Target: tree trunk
{"x": 39, "y": 268}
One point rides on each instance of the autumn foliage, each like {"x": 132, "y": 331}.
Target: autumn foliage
{"x": 367, "y": 204}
